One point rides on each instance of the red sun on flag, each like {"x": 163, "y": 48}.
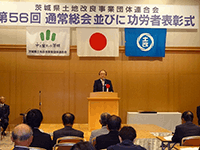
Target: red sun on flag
{"x": 98, "y": 41}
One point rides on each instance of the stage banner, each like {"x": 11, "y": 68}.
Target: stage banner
{"x": 145, "y": 42}
{"x": 43, "y": 41}
{"x": 99, "y": 15}
{"x": 97, "y": 42}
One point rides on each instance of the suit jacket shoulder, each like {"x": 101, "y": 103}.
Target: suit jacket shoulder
{"x": 184, "y": 130}
{"x": 41, "y": 139}
{"x": 66, "y": 131}
{"x": 106, "y": 140}
{"x": 98, "y": 132}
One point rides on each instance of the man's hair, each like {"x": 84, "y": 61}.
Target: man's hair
{"x": 24, "y": 134}
{"x": 187, "y": 116}
{"x": 2, "y": 96}
{"x": 104, "y": 118}
{"x": 127, "y": 133}
{"x": 82, "y": 146}
{"x": 34, "y": 118}
{"x": 104, "y": 71}
{"x": 114, "y": 122}
{"x": 68, "y": 118}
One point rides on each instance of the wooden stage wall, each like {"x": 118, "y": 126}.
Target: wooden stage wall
{"x": 171, "y": 83}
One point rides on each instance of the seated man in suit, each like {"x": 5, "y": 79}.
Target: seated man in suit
{"x": 106, "y": 140}
{"x": 40, "y": 139}
{"x": 22, "y": 136}
{"x": 102, "y": 84}
{"x": 68, "y": 121}
{"x": 127, "y": 136}
{"x": 103, "y": 121}
{"x": 198, "y": 114}
{"x": 4, "y": 113}
{"x": 187, "y": 128}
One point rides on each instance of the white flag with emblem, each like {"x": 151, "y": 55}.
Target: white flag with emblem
{"x": 43, "y": 41}
{"x": 97, "y": 42}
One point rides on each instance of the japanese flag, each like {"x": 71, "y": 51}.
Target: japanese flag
{"x": 98, "y": 42}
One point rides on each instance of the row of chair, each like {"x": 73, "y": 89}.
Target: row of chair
{"x": 191, "y": 141}
{"x": 65, "y": 143}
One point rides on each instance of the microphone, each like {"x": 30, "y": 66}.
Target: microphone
{"x": 40, "y": 101}
{"x": 107, "y": 87}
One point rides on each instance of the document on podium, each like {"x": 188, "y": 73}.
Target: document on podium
{"x": 168, "y": 138}
{"x": 190, "y": 148}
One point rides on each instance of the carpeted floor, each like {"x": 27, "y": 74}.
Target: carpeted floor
{"x": 6, "y": 143}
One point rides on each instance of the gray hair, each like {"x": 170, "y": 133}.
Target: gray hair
{"x": 104, "y": 118}
{"x": 22, "y": 134}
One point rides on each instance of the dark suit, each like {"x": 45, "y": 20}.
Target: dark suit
{"x": 42, "y": 140}
{"x": 66, "y": 131}
{"x": 106, "y": 140}
{"x": 98, "y": 86}
{"x": 126, "y": 145}
{"x": 185, "y": 129}
{"x": 20, "y": 148}
{"x": 198, "y": 114}
{"x": 4, "y": 113}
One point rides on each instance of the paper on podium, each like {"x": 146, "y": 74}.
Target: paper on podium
{"x": 190, "y": 148}
{"x": 168, "y": 138}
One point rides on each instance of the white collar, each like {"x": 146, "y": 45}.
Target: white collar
{"x": 21, "y": 146}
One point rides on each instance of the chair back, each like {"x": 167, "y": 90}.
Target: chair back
{"x": 191, "y": 141}
{"x": 36, "y": 148}
{"x": 94, "y": 141}
{"x": 72, "y": 139}
{"x": 63, "y": 146}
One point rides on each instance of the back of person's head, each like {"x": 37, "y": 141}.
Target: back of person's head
{"x": 68, "y": 118}
{"x": 104, "y": 118}
{"x": 127, "y": 133}
{"x": 22, "y": 135}
{"x": 82, "y": 146}
{"x": 114, "y": 123}
{"x": 34, "y": 118}
{"x": 187, "y": 116}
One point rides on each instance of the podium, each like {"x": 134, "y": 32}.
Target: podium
{"x": 98, "y": 103}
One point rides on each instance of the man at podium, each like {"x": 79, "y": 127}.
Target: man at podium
{"x": 102, "y": 84}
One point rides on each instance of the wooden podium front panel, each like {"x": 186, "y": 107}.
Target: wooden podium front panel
{"x": 97, "y": 106}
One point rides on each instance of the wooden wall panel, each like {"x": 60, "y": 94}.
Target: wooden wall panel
{"x": 82, "y": 86}
{"x": 54, "y": 101}
{"x": 161, "y": 84}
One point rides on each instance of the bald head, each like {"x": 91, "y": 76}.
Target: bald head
{"x": 22, "y": 135}
{"x": 68, "y": 118}
{"x": 2, "y": 99}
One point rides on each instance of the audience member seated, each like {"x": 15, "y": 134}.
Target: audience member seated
{"x": 68, "y": 121}
{"x": 106, "y": 140}
{"x": 22, "y": 136}
{"x": 4, "y": 113}
{"x": 198, "y": 114}
{"x": 127, "y": 136}
{"x": 40, "y": 139}
{"x": 103, "y": 130}
{"x": 187, "y": 128}
{"x": 83, "y": 146}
